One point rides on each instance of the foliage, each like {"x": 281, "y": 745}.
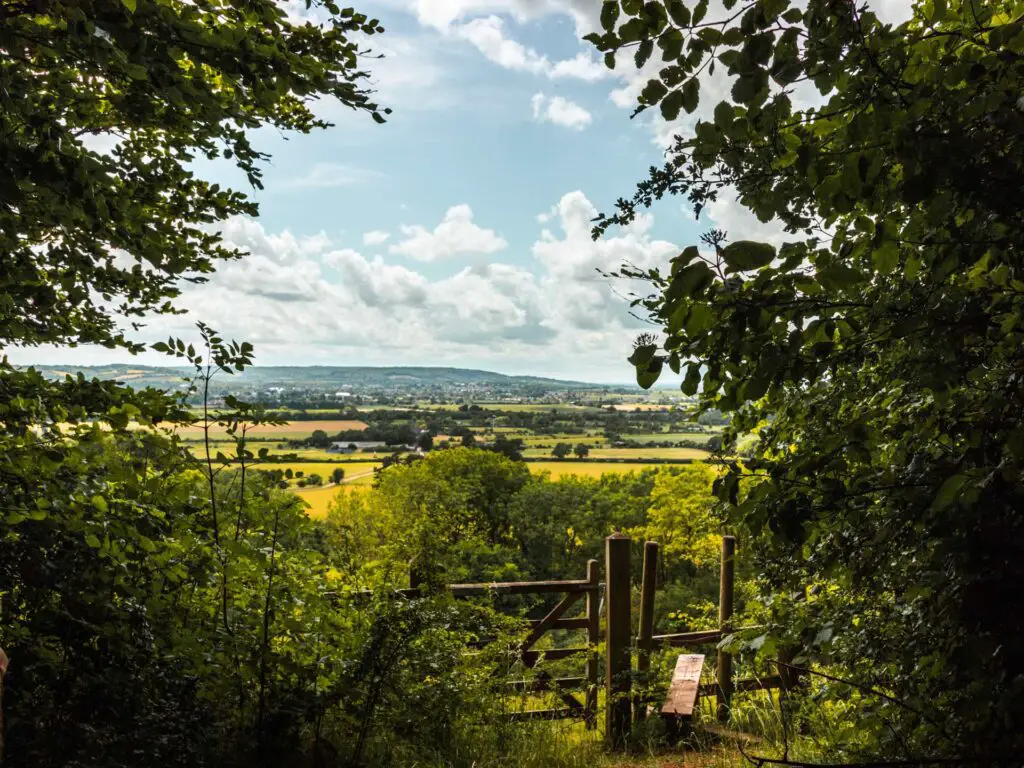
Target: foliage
{"x": 561, "y": 450}
{"x": 85, "y": 233}
{"x": 877, "y": 353}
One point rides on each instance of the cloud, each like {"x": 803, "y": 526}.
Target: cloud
{"x": 455, "y": 235}
{"x": 328, "y": 175}
{"x": 730, "y": 215}
{"x": 560, "y": 111}
{"x": 442, "y": 14}
{"x": 487, "y": 35}
{"x": 375, "y": 237}
{"x": 301, "y": 300}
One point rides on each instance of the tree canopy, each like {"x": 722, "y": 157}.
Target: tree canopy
{"x": 104, "y": 107}
{"x": 877, "y": 353}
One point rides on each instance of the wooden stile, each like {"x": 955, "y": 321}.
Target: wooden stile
{"x": 618, "y": 630}
{"x": 681, "y": 700}
{"x": 726, "y": 587}
{"x": 645, "y": 635}
{"x": 593, "y": 638}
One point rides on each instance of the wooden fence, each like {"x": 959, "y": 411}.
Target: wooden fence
{"x": 623, "y": 707}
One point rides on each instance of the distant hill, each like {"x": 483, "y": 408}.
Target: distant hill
{"x": 325, "y": 378}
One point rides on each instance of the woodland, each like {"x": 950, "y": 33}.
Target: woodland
{"x": 160, "y": 607}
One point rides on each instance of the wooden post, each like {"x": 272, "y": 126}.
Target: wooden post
{"x": 618, "y": 629}
{"x": 645, "y": 636}
{"x": 726, "y": 585}
{"x": 593, "y": 638}
{"x": 415, "y": 577}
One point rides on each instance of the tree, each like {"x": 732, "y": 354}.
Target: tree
{"x": 582, "y": 450}
{"x": 509, "y": 447}
{"x": 165, "y": 83}
{"x": 468, "y": 439}
{"x": 561, "y": 450}
{"x": 877, "y": 354}
{"x": 92, "y": 238}
{"x": 425, "y": 441}
{"x": 337, "y": 475}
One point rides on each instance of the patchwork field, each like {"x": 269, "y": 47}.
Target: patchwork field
{"x": 559, "y": 469}
{"x": 319, "y": 499}
{"x": 629, "y": 454}
{"x": 291, "y": 430}
{"x": 663, "y": 437}
{"x": 355, "y": 472}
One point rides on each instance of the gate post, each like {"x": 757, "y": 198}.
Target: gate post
{"x": 618, "y": 629}
{"x": 726, "y": 583}
{"x": 593, "y": 638}
{"x": 644, "y": 638}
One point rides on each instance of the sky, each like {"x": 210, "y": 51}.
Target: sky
{"x": 458, "y": 233}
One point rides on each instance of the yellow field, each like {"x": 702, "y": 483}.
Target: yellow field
{"x": 319, "y": 499}
{"x": 355, "y": 471}
{"x": 628, "y": 454}
{"x": 584, "y": 468}
{"x": 289, "y": 430}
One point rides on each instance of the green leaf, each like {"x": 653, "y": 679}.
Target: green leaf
{"x": 949, "y": 491}
{"x": 838, "y": 276}
{"x": 671, "y": 105}
{"x": 92, "y": 540}
{"x": 679, "y": 13}
{"x": 691, "y": 95}
{"x": 671, "y": 45}
{"x": 886, "y": 257}
{"x": 653, "y": 92}
{"x": 643, "y": 354}
{"x": 129, "y": 5}
{"x": 99, "y": 503}
{"x": 692, "y": 380}
{"x": 747, "y": 254}
{"x": 647, "y": 375}
{"x": 609, "y": 14}
{"x": 699, "y": 319}
{"x": 643, "y": 53}
{"x": 700, "y": 11}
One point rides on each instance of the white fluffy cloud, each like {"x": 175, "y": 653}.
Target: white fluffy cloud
{"x": 487, "y": 35}
{"x": 375, "y": 237}
{"x": 455, "y": 235}
{"x": 560, "y": 111}
{"x": 303, "y": 300}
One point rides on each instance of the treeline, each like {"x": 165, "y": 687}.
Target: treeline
{"x": 201, "y": 618}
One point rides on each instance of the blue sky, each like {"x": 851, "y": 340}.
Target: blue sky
{"x": 458, "y": 233}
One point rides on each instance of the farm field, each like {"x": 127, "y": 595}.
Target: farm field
{"x": 292, "y": 430}
{"x": 662, "y": 437}
{"x": 354, "y": 471}
{"x": 319, "y": 499}
{"x": 631, "y": 454}
{"x": 559, "y": 469}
